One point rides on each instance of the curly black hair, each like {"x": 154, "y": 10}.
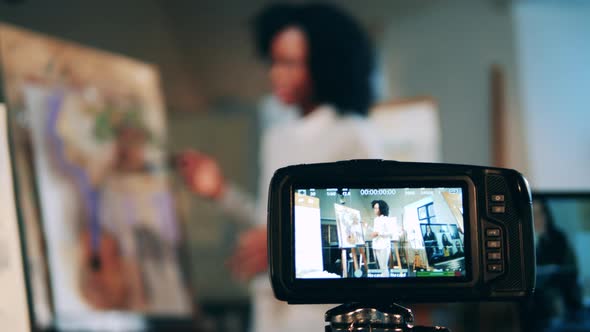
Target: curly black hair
{"x": 341, "y": 59}
{"x": 383, "y": 207}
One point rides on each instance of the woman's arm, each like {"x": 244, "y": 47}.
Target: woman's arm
{"x": 204, "y": 177}
{"x": 239, "y": 205}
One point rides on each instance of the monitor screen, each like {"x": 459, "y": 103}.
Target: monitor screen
{"x": 379, "y": 233}
{"x": 562, "y": 239}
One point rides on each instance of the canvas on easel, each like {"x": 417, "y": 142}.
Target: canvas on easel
{"x": 14, "y": 310}
{"x": 349, "y": 226}
{"x": 89, "y": 130}
{"x": 409, "y": 129}
{"x": 350, "y": 236}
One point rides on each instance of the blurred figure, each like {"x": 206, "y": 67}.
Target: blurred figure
{"x": 430, "y": 242}
{"x": 557, "y": 293}
{"x": 447, "y": 245}
{"x": 321, "y": 61}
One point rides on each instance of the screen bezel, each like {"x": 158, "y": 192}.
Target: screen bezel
{"x": 376, "y": 286}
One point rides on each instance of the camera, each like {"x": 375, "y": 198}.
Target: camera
{"x": 376, "y": 231}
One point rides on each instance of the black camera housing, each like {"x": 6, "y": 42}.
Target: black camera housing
{"x": 497, "y": 218}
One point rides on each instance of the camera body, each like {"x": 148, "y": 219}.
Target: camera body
{"x": 378, "y": 231}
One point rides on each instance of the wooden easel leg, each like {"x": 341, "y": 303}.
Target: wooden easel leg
{"x": 364, "y": 258}
{"x": 398, "y": 262}
{"x": 390, "y": 261}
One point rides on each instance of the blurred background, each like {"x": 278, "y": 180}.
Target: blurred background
{"x": 508, "y": 82}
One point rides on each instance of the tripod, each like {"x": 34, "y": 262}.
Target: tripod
{"x": 359, "y": 317}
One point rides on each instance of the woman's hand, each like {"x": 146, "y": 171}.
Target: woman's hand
{"x": 250, "y": 257}
{"x": 201, "y": 173}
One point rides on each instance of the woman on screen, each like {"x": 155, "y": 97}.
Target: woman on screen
{"x": 382, "y": 235}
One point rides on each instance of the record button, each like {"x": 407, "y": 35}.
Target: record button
{"x": 498, "y": 209}
{"x": 494, "y": 267}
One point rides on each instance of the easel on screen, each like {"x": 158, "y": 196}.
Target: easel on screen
{"x": 357, "y": 261}
{"x": 363, "y": 258}
{"x": 350, "y": 236}
{"x": 395, "y": 248}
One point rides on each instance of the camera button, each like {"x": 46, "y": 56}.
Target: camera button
{"x": 494, "y": 256}
{"x": 493, "y": 244}
{"x": 497, "y": 198}
{"x": 498, "y": 209}
{"x": 495, "y": 268}
{"x": 493, "y": 232}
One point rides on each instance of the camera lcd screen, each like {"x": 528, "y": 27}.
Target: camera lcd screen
{"x": 379, "y": 233}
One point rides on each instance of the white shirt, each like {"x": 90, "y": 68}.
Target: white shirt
{"x": 384, "y": 226}
{"x": 322, "y": 136}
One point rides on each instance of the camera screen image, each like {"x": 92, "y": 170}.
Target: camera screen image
{"x": 379, "y": 233}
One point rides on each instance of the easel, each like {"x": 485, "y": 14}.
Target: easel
{"x": 395, "y": 247}
{"x": 420, "y": 262}
{"x": 363, "y": 254}
{"x": 355, "y": 262}
{"x": 419, "y": 259}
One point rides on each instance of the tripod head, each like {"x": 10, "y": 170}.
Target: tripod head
{"x": 360, "y": 317}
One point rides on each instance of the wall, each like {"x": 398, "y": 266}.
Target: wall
{"x": 553, "y": 53}
{"x": 446, "y": 50}
{"x": 136, "y": 28}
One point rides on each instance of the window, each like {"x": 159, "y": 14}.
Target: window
{"x": 426, "y": 213}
